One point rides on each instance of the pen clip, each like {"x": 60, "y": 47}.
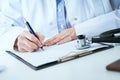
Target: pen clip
{"x": 24, "y": 20}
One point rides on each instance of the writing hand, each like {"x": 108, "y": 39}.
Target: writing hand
{"x": 27, "y": 42}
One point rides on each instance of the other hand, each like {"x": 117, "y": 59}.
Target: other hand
{"x": 65, "y": 36}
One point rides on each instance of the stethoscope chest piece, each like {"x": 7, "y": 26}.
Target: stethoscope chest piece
{"x": 82, "y": 42}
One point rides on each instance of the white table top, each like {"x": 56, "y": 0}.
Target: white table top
{"x": 92, "y": 67}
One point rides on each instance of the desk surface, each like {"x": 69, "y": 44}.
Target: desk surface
{"x": 90, "y": 67}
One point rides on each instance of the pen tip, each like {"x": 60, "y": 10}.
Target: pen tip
{"x": 42, "y": 48}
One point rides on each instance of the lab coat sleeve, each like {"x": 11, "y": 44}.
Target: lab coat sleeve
{"x": 97, "y": 25}
{"x": 8, "y": 37}
{"x": 8, "y": 33}
{"x": 10, "y": 25}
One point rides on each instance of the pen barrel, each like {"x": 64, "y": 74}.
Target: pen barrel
{"x": 31, "y": 30}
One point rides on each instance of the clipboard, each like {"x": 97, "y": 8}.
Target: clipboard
{"x": 56, "y": 54}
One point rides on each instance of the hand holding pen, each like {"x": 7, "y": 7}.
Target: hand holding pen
{"x": 29, "y": 41}
{"x": 32, "y": 32}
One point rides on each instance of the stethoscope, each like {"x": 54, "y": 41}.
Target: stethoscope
{"x": 111, "y": 36}
{"x": 83, "y": 42}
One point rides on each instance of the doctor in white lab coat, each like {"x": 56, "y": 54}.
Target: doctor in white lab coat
{"x": 88, "y": 17}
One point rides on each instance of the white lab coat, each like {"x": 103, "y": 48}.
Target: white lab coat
{"x": 85, "y": 15}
